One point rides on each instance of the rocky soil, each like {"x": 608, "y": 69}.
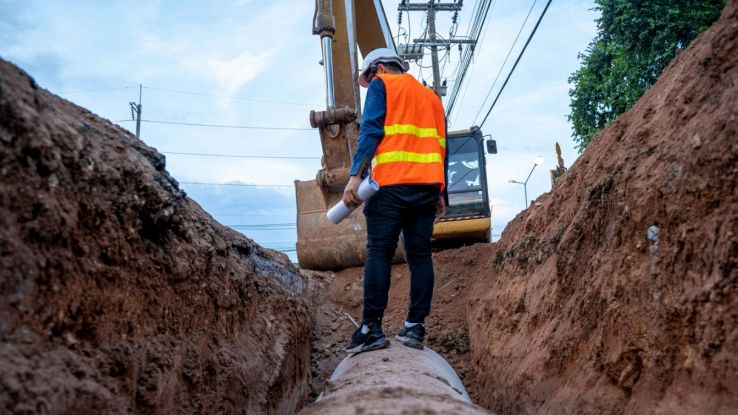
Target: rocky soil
{"x": 118, "y": 293}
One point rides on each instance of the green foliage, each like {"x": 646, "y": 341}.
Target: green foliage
{"x": 636, "y": 40}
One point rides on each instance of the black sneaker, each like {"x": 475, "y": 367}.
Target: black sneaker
{"x": 373, "y": 340}
{"x": 412, "y": 337}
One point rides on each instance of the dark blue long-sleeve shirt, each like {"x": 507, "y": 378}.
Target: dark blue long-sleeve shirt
{"x": 371, "y": 131}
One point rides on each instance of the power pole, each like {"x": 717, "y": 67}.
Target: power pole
{"x": 136, "y": 110}
{"x": 414, "y": 51}
{"x": 434, "y": 49}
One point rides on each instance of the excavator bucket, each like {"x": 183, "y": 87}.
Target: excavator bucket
{"x": 342, "y": 26}
{"x": 321, "y": 245}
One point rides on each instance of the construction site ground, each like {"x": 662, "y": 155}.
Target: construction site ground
{"x": 616, "y": 292}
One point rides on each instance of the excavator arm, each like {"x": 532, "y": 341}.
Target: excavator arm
{"x": 345, "y": 28}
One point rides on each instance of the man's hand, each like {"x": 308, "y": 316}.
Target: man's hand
{"x": 441, "y": 208}
{"x": 351, "y": 193}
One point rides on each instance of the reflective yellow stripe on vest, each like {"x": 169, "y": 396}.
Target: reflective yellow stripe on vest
{"x": 416, "y": 131}
{"x": 394, "y": 156}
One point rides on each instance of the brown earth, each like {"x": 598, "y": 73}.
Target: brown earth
{"x": 118, "y": 293}
{"x": 616, "y": 292}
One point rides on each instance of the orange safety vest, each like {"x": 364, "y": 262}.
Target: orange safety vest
{"x": 413, "y": 149}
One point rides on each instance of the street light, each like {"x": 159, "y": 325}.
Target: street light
{"x": 538, "y": 160}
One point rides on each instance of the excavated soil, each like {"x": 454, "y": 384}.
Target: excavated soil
{"x": 617, "y": 291}
{"x": 118, "y": 293}
{"x": 614, "y": 293}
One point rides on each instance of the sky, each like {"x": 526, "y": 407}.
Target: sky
{"x": 255, "y": 63}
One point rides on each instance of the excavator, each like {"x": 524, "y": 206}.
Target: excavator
{"x": 346, "y": 28}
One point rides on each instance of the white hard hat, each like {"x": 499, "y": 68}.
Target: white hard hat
{"x": 374, "y": 57}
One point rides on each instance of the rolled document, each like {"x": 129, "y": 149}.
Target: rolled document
{"x": 367, "y": 188}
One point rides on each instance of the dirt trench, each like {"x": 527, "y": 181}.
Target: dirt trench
{"x": 614, "y": 293}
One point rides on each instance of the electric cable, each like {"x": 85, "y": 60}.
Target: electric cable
{"x": 240, "y": 156}
{"x": 502, "y": 88}
{"x": 96, "y": 90}
{"x": 238, "y": 215}
{"x": 238, "y": 184}
{"x": 247, "y": 127}
{"x": 203, "y": 94}
{"x": 264, "y": 225}
{"x": 481, "y": 15}
{"x": 471, "y": 72}
{"x": 509, "y": 52}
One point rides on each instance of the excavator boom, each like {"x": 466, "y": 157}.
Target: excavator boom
{"x": 345, "y": 27}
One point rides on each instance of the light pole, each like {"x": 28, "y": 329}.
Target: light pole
{"x": 538, "y": 160}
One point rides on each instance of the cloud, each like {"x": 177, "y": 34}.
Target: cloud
{"x": 232, "y": 74}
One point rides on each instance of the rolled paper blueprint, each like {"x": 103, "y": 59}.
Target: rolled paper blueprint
{"x": 367, "y": 188}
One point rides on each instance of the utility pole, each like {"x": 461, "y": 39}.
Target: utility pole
{"x": 415, "y": 50}
{"x": 434, "y": 50}
{"x": 136, "y": 110}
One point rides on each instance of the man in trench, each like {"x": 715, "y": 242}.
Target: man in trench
{"x": 403, "y": 137}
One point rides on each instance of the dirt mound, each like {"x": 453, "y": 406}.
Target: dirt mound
{"x": 616, "y": 293}
{"x": 118, "y": 293}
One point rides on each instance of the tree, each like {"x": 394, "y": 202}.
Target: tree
{"x": 635, "y": 41}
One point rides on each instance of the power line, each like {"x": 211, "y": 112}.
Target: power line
{"x": 253, "y": 214}
{"x": 202, "y": 94}
{"x": 279, "y": 243}
{"x": 471, "y": 73}
{"x": 237, "y": 98}
{"x": 241, "y": 156}
{"x": 238, "y": 184}
{"x": 263, "y": 224}
{"x": 272, "y": 226}
{"x": 509, "y": 52}
{"x": 262, "y": 228}
{"x": 96, "y": 90}
{"x": 247, "y": 127}
{"x": 502, "y": 88}
{"x": 480, "y": 17}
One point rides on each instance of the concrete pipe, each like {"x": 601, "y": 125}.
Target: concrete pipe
{"x": 396, "y": 380}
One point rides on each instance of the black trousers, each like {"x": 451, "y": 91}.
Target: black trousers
{"x": 412, "y": 210}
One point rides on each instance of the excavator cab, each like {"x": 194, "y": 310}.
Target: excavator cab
{"x": 468, "y": 214}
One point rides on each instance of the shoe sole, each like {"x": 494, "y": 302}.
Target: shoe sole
{"x": 410, "y": 342}
{"x": 375, "y": 345}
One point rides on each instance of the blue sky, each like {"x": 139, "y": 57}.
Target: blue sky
{"x": 255, "y": 63}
